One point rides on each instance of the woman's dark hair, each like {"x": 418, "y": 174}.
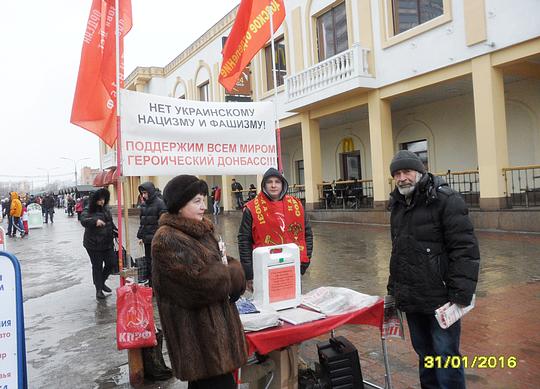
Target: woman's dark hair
{"x": 100, "y": 194}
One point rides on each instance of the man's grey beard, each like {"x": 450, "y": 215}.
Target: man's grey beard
{"x": 408, "y": 190}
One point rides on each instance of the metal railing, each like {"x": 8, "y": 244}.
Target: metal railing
{"x": 298, "y": 191}
{"x": 522, "y": 186}
{"x": 352, "y": 194}
{"x": 466, "y": 183}
{"x": 341, "y": 67}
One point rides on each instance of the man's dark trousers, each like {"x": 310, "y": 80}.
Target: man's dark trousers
{"x": 429, "y": 339}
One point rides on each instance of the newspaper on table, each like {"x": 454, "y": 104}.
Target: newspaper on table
{"x": 449, "y": 313}
{"x": 264, "y": 317}
{"x": 393, "y": 319}
{"x": 334, "y": 301}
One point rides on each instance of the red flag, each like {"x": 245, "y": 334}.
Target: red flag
{"x": 250, "y": 32}
{"x": 94, "y": 104}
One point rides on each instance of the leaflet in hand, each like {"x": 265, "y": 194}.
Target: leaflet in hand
{"x": 449, "y": 313}
{"x": 393, "y": 319}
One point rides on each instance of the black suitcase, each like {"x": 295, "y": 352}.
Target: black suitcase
{"x": 340, "y": 364}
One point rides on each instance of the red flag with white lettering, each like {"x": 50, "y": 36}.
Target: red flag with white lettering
{"x": 94, "y": 104}
{"x": 250, "y": 32}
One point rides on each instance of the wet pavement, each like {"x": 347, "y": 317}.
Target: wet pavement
{"x": 70, "y": 337}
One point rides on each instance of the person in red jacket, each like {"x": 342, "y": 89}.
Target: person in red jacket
{"x": 217, "y": 199}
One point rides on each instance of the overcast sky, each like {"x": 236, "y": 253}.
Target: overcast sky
{"x": 40, "y": 47}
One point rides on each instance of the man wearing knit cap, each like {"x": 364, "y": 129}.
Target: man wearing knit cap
{"x": 435, "y": 260}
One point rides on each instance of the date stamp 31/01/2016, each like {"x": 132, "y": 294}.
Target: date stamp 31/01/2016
{"x": 475, "y": 362}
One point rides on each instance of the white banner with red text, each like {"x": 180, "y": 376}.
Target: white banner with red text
{"x": 168, "y": 136}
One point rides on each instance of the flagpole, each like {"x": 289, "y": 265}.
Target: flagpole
{"x": 135, "y": 359}
{"x": 274, "y": 78}
{"x": 119, "y": 181}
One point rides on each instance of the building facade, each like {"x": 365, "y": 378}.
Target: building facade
{"x": 456, "y": 81}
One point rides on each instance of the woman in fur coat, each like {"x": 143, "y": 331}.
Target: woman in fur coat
{"x": 196, "y": 289}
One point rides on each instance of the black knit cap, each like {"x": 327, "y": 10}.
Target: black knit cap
{"x": 405, "y": 159}
{"x": 181, "y": 189}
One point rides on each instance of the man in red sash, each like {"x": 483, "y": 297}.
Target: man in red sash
{"x": 273, "y": 217}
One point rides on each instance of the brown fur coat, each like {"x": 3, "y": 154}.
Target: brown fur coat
{"x": 194, "y": 290}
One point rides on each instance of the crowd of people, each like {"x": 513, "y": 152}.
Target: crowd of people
{"x": 15, "y": 209}
{"x": 434, "y": 260}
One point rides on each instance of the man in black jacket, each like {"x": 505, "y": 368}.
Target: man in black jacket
{"x": 280, "y": 219}
{"x": 237, "y": 189}
{"x": 151, "y": 209}
{"x": 435, "y": 260}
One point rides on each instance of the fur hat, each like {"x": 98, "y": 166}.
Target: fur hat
{"x": 181, "y": 189}
{"x": 405, "y": 159}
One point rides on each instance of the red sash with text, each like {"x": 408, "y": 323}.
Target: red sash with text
{"x": 278, "y": 222}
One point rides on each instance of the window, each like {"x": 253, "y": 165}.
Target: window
{"x": 281, "y": 63}
{"x": 332, "y": 32}
{"x": 204, "y": 92}
{"x": 350, "y": 166}
{"x": 300, "y": 172}
{"x": 419, "y": 147}
{"x": 411, "y": 13}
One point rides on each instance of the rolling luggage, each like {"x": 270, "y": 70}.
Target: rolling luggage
{"x": 340, "y": 365}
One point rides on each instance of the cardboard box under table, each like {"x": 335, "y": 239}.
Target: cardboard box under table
{"x": 276, "y": 341}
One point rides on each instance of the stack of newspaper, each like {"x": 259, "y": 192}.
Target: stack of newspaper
{"x": 333, "y": 301}
{"x": 449, "y": 313}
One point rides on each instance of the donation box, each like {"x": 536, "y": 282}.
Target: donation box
{"x": 276, "y": 276}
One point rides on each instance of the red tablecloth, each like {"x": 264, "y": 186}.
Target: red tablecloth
{"x": 275, "y": 338}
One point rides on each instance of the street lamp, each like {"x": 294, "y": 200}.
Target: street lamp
{"x": 75, "y": 164}
{"x": 48, "y": 173}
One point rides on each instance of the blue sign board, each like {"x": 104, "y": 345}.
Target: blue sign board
{"x": 12, "y": 342}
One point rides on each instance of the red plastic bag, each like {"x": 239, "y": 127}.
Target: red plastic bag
{"x": 134, "y": 317}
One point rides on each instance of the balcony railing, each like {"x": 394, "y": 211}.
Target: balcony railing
{"x": 108, "y": 160}
{"x": 522, "y": 186}
{"x": 345, "y": 66}
{"x": 353, "y": 194}
{"x": 466, "y": 183}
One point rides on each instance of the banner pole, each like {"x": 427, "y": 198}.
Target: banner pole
{"x": 135, "y": 360}
{"x": 118, "y": 144}
{"x": 274, "y": 78}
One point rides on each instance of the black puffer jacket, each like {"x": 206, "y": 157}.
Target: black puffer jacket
{"x": 245, "y": 236}
{"x": 98, "y": 238}
{"x": 151, "y": 210}
{"x": 435, "y": 255}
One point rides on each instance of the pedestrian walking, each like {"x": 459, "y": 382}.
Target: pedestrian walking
{"x": 216, "y": 196}
{"x": 237, "y": 189}
{"x": 280, "y": 219}
{"x": 25, "y": 218}
{"x": 7, "y": 213}
{"x": 15, "y": 213}
{"x": 70, "y": 203}
{"x": 152, "y": 207}
{"x": 435, "y": 259}
{"x": 79, "y": 207}
{"x": 196, "y": 287}
{"x": 99, "y": 232}
{"x": 48, "y": 207}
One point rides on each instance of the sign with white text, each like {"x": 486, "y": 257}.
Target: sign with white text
{"x": 12, "y": 341}
{"x": 168, "y": 136}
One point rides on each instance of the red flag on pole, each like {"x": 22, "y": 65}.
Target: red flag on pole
{"x": 250, "y": 32}
{"x": 94, "y": 104}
